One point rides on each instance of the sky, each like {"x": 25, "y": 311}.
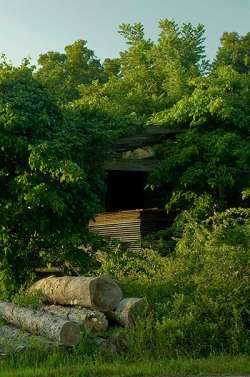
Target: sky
{"x": 31, "y": 27}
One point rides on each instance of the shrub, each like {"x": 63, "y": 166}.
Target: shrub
{"x": 199, "y": 295}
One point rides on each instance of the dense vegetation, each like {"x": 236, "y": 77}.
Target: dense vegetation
{"x": 57, "y": 123}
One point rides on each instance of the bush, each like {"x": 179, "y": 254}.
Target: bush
{"x": 51, "y": 179}
{"x": 199, "y": 295}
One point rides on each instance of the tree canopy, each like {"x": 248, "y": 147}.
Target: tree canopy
{"x": 211, "y": 155}
{"x": 234, "y": 51}
{"x": 61, "y": 73}
{"x": 51, "y": 178}
{"x": 147, "y": 77}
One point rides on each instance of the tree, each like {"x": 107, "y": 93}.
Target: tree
{"x": 150, "y": 76}
{"x": 51, "y": 178}
{"x": 179, "y": 56}
{"x": 61, "y": 73}
{"x": 212, "y": 154}
{"x": 112, "y": 67}
{"x": 234, "y": 51}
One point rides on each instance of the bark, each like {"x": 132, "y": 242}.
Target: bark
{"x": 128, "y": 311}
{"x": 13, "y": 340}
{"x": 91, "y": 319}
{"x": 38, "y": 322}
{"x": 91, "y": 292}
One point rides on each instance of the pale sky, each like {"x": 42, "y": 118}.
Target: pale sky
{"x": 31, "y": 27}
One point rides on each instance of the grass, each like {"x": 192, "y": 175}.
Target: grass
{"x": 221, "y": 365}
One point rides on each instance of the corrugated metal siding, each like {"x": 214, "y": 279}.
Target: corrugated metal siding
{"x": 153, "y": 220}
{"x": 129, "y": 226}
{"x": 123, "y": 226}
{"x": 114, "y": 217}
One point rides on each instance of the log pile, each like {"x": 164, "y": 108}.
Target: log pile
{"x": 70, "y": 305}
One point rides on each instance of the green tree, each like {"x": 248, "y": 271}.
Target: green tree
{"x": 150, "y": 76}
{"x": 212, "y": 153}
{"x": 234, "y": 51}
{"x": 112, "y": 67}
{"x": 179, "y": 56}
{"x": 51, "y": 178}
{"x": 61, "y": 73}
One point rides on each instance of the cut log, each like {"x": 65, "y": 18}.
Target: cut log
{"x": 92, "y": 292}
{"x": 128, "y": 311}
{"x": 38, "y": 322}
{"x": 91, "y": 319}
{"x": 13, "y": 340}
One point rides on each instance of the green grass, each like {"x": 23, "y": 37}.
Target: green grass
{"x": 225, "y": 365}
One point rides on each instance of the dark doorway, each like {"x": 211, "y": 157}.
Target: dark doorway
{"x": 125, "y": 190}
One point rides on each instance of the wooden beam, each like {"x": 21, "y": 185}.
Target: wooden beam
{"x": 132, "y": 165}
{"x": 149, "y": 136}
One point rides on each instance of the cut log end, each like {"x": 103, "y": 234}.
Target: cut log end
{"x": 70, "y": 335}
{"x": 107, "y": 294}
{"x": 129, "y": 311}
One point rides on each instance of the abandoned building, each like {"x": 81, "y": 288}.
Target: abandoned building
{"x": 131, "y": 210}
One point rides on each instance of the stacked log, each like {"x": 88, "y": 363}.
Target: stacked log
{"x": 38, "y": 322}
{"x": 128, "y": 311}
{"x": 13, "y": 340}
{"x": 91, "y": 292}
{"x": 71, "y": 304}
{"x": 91, "y": 319}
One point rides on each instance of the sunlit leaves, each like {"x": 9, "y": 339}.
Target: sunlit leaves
{"x": 222, "y": 98}
{"x": 61, "y": 73}
{"x": 149, "y": 76}
{"x": 43, "y": 160}
{"x": 234, "y": 51}
{"x": 211, "y": 155}
{"x": 48, "y": 187}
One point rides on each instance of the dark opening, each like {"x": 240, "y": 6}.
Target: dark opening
{"x": 127, "y": 190}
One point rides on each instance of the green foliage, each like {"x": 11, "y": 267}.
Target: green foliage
{"x": 149, "y": 76}
{"x": 24, "y": 298}
{"x": 61, "y": 73}
{"x": 199, "y": 295}
{"x": 211, "y": 155}
{"x": 51, "y": 178}
{"x": 121, "y": 263}
{"x": 234, "y": 51}
{"x": 210, "y": 286}
{"x": 218, "y": 100}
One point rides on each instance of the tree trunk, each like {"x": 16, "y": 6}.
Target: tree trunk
{"x": 91, "y": 292}
{"x": 41, "y": 323}
{"x": 128, "y": 311}
{"x": 91, "y": 319}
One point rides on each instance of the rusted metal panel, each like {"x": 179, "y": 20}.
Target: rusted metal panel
{"x": 117, "y": 216}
